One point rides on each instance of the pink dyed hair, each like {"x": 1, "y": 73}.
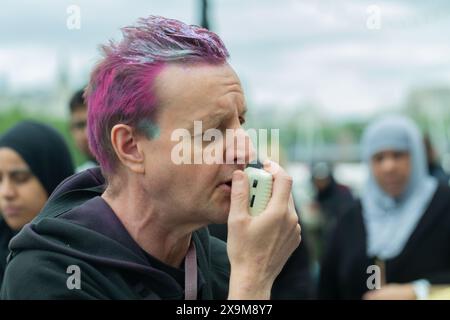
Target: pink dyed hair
{"x": 120, "y": 87}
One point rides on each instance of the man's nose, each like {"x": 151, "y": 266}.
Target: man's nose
{"x": 243, "y": 148}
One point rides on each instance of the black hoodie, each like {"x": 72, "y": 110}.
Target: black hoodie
{"x": 78, "y": 228}
{"x": 5, "y": 236}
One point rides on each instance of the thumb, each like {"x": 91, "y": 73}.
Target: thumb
{"x": 239, "y": 194}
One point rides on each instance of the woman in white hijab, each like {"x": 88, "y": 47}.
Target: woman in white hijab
{"x": 398, "y": 236}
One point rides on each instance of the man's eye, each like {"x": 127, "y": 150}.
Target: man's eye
{"x": 241, "y": 120}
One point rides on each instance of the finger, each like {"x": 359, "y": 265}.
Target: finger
{"x": 282, "y": 185}
{"x": 239, "y": 195}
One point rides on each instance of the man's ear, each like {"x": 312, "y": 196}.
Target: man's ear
{"x": 124, "y": 140}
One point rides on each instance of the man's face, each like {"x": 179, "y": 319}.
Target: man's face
{"x": 392, "y": 171}
{"x": 211, "y": 94}
{"x": 78, "y": 128}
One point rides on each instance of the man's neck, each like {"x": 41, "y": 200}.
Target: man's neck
{"x": 152, "y": 229}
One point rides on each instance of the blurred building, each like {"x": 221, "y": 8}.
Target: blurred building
{"x": 46, "y": 101}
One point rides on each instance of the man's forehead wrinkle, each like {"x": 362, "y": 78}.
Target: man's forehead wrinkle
{"x": 209, "y": 81}
{"x": 239, "y": 102}
{"x": 210, "y": 95}
{"x": 211, "y": 116}
{"x": 231, "y": 83}
{"x": 222, "y": 89}
{"x": 219, "y": 113}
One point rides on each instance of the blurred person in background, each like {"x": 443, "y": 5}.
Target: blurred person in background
{"x": 78, "y": 125}
{"x": 401, "y": 224}
{"x": 34, "y": 159}
{"x": 434, "y": 168}
{"x": 331, "y": 200}
{"x": 6, "y": 233}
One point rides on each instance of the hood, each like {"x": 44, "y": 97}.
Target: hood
{"x": 77, "y": 222}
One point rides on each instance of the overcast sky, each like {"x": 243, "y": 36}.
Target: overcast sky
{"x": 287, "y": 52}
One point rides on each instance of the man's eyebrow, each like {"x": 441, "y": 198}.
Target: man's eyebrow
{"x": 207, "y": 120}
{"x": 215, "y": 118}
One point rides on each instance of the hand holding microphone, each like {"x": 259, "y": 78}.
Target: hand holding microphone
{"x": 260, "y": 242}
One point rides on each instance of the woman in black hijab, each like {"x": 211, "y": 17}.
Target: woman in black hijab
{"x": 34, "y": 159}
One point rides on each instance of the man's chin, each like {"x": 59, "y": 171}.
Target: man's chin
{"x": 220, "y": 215}
{"x": 219, "y": 208}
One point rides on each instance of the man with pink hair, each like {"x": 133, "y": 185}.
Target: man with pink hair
{"x": 137, "y": 228}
